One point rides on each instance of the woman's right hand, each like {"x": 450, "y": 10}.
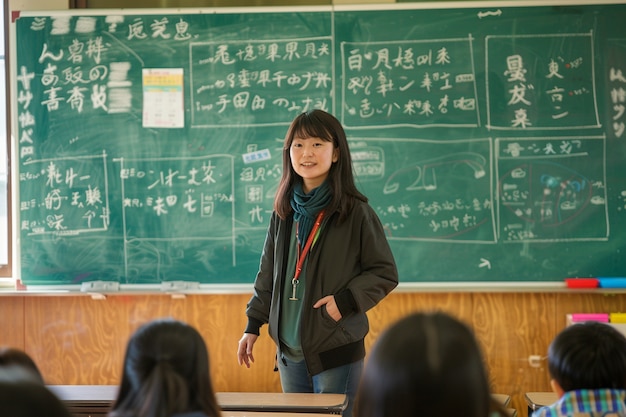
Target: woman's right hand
{"x": 244, "y": 351}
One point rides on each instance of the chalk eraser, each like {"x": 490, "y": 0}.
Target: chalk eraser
{"x": 612, "y": 282}
{"x": 581, "y": 317}
{"x": 582, "y": 282}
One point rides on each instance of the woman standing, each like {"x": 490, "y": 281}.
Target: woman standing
{"x": 326, "y": 261}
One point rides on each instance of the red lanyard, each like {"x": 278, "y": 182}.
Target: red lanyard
{"x": 305, "y": 251}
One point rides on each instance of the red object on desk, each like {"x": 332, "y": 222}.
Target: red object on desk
{"x": 582, "y": 282}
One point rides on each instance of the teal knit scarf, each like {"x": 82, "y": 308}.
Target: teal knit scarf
{"x": 307, "y": 206}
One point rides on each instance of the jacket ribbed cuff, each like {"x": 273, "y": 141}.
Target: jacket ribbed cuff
{"x": 254, "y": 326}
{"x": 345, "y": 302}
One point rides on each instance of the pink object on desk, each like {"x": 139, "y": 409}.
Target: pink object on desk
{"x": 580, "y": 317}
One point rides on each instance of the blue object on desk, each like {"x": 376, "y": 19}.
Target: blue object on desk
{"x": 612, "y": 282}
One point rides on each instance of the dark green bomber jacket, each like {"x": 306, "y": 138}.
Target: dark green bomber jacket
{"x": 351, "y": 260}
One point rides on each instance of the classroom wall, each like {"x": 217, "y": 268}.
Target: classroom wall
{"x": 78, "y": 340}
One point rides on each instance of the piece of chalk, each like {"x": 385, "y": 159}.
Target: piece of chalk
{"x": 612, "y": 282}
{"x": 582, "y": 282}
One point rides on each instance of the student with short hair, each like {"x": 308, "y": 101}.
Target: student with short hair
{"x": 166, "y": 374}
{"x": 587, "y": 365}
{"x": 426, "y": 364}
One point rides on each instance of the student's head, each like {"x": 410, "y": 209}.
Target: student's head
{"x": 166, "y": 371}
{"x": 26, "y": 398}
{"x": 318, "y": 125}
{"x": 426, "y": 364}
{"x": 588, "y": 355}
{"x": 16, "y": 358}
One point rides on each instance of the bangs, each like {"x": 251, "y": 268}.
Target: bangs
{"x": 307, "y": 128}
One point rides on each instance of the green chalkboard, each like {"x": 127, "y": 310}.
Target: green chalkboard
{"x": 490, "y": 140}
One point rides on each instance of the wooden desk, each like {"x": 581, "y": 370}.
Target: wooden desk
{"x": 96, "y": 400}
{"x": 268, "y": 414}
{"x": 86, "y": 400}
{"x": 536, "y": 400}
{"x": 282, "y": 402}
{"x": 85, "y": 393}
{"x": 503, "y": 399}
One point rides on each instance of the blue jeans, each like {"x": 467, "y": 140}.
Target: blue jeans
{"x": 345, "y": 379}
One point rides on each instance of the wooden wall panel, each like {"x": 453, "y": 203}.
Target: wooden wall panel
{"x": 12, "y": 322}
{"x": 74, "y": 339}
{"x": 572, "y": 302}
{"x": 399, "y": 304}
{"x": 508, "y": 329}
{"x": 221, "y": 319}
{"x": 78, "y": 340}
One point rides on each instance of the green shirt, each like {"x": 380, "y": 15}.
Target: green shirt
{"x": 291, "y": 310}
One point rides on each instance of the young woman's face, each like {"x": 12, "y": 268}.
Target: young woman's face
{"x": 312, "y": 158}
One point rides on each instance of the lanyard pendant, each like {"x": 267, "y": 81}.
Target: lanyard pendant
{"x": 294, "y": 284}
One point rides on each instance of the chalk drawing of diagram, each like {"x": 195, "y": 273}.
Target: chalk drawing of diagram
{"x": 423, "y": 175}
{"x": 553, "y": 198}
{"x": 430, "y": 190}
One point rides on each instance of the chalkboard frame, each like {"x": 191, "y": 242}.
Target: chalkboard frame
{"x": 555, "y": 283}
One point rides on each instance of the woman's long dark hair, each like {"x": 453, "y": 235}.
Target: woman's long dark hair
{"x": 427, "y": 364}
{"x": 166, "y": 371}
{"x": 323, "y": 125}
